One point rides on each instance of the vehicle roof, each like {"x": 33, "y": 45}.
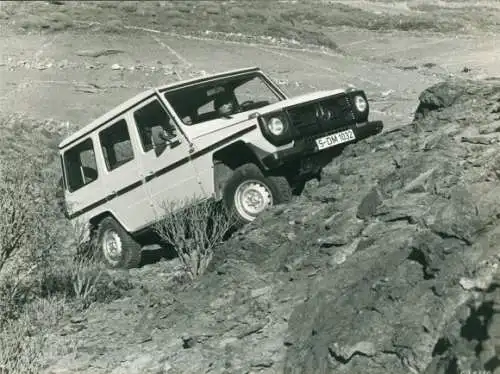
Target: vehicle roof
{"x": 123, "y": 107}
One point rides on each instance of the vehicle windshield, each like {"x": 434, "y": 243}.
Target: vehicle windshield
{"x": 221, "y": 98}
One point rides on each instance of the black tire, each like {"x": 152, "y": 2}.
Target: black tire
{"x": 130, "y": 254}
{"x": 278, "y": 186}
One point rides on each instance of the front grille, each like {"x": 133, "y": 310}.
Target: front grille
{"x": 304, "y": 119}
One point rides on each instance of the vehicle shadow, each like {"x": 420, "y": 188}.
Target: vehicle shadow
{"x": 154, "y": 254}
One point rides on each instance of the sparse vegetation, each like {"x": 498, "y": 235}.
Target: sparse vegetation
{"x": 40, "y": 277}
{"x": 23, "y": 343}
{"x": 194, "y": 228}
{"x": 112, "y": 26}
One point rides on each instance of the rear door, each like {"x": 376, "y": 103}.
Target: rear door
{"x": 166, "y": 168}
{"x": 125, "y": 191}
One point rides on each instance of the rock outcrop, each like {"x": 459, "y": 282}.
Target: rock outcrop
{"x": 428, "y": 196}
{"x": 388, "y": 265}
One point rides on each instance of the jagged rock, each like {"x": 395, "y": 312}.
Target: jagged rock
{"x": 344, "y": 354}
{"x": 369, "y": 204}
{"x": 431, "y": 221}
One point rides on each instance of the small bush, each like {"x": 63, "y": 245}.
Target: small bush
{"x": 256, "y": 15}
{"x": 112, "y": 26}
{"x": 171, "y": 14}
{"x": 59, "y": 21}
{"x": 128, "y": 6}
{"x": 108, "y": 4}
{"x": 184, "y": 7}
{"x": 213, "y": 10}
{"x": 194, "y": 228}
{"x": 33, "y": 22}
{"x": 21, "y": 213}
{"x": 181, "y": 23}
{"x": 24, "y": 341}
{"x": 236, "y": 12}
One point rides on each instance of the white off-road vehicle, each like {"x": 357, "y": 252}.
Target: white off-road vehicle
{"x": 233, "y": 136}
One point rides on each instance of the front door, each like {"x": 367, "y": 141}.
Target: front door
{"x": 169, "y": 175}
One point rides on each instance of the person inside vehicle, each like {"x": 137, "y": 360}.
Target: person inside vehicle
{"x": 168, "y": 132}
{"x": 225, "y": 105}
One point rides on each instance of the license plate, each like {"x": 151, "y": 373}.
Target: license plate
{"x": 335, "y": 139}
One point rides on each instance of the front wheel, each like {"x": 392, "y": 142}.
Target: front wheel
{"x": 248, "y": 193}
{"x": 115, "y": 246}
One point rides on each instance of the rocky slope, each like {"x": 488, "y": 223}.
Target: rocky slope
{"x": 386, "y": 265}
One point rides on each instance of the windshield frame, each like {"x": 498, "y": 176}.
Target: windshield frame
{"x": 166, "y": 94}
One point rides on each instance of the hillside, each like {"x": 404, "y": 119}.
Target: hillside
{"x": 389, "y": 264}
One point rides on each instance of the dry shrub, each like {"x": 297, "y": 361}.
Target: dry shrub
{"x": 24, "y": 343}
{"x": 184, "y": 7}
{"x": 181, "y": 23}
{"x": 194, "y": 227}
{"x": 37, "y": 246}
{"x": 39, "y": 274}
{"x": 213, "y": 10}
{"x": 172, "y": 14}
{"x": 53, "y": 276}
{"x": 59, "y": 21}
{"x": 22, "y": 213}
{"x": 112, "y": 26}
{"x": 128, "y": 6}
{"x": 236, "y": 12}
{"x": 107, "y": 4}
{"x": 33, "y": 22}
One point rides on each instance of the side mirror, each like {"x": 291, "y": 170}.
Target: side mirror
{"x": 166, "y": 140}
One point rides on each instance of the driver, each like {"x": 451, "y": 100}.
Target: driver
{"x": 224, "y": 105}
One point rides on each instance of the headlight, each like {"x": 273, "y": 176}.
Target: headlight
{"x": 276, "y": 126}
{"x": 360, "y": 103}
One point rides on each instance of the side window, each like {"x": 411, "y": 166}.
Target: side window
{"x": 80, "y": 165}
{"x": 116, "y": 145}
{"x": 154, "y": 125}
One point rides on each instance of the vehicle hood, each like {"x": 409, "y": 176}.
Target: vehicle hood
{"x": 295, "y": 100}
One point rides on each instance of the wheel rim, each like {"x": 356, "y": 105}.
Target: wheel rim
{"x": 112, "y": 247}
{"x": 251, "y": 198}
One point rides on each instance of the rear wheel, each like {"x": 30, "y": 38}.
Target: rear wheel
{"x": 248, "y": 193}
{"x": 115, "y": 246}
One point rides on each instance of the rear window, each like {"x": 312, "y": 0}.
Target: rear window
{"x": 80, "y": 165}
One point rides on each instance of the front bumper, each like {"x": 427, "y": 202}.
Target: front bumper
{"x": 307, "y": 147}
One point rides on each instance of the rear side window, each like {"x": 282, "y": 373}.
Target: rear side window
{"x": 80, "y": 165}
{"x": 116, "y": 145}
